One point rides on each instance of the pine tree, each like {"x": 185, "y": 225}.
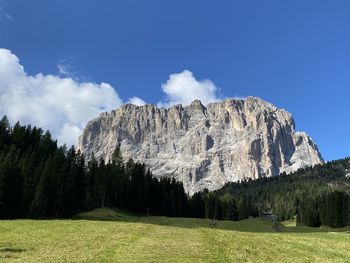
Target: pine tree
{"x": 27, "y": 170}
{"x": 43, "y": 204}
{"x": 92, "y": 200}
{"x": 4, "y": 132}
{"x": 11, "y": 186}
{"x": 243, "y": 208}
{"x": 117, "y": 159}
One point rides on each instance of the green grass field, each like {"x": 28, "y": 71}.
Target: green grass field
{"x": 113, "y": 236}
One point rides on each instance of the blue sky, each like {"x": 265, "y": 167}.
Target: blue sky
{"x": 294, "y": 54}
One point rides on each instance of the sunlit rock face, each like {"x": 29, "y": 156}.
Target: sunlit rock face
{"x": 203, "y": 146}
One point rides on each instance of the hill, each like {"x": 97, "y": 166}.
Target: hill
{"x": 134, "y": 238}
{"x": 317, "y": 195}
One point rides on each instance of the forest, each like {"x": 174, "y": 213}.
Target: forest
{"x": 39, "y": 179}
{"x": 312, "y": 196}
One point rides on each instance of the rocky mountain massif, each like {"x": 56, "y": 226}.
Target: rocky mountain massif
{"x": 203, "y": 146}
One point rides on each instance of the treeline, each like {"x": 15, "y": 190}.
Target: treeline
{"x": 313, "y": 196}
{"x": 38, "y": 179}
{"x": 221, "y": 206}
{"x": 331, "y": 209}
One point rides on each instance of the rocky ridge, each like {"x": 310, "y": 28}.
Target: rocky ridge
{"x": 203, "y": 146}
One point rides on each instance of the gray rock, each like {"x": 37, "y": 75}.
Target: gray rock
{"x": 203, "y": 147}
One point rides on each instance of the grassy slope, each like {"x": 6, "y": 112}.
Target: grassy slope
{"x": 160, "y": 239}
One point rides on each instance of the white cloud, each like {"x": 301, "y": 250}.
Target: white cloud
{"x": 3, "y": 14}
{"x": 8, "y": 17}
{"x": 62, "y": 105}
{"x": 136, "y": 101}
{"x": 184, "y": 88}
{"x": 64, "y": 69}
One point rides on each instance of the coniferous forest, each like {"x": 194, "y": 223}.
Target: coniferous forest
{"x": 39, "y": 179}
{"x": 312, "y": 196}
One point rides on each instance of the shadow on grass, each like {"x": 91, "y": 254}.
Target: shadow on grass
{"x": 250, "y": 225}
{"x": 255, "y": 225}
{"x": 10, "y": 252}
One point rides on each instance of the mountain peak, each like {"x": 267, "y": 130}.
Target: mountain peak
{"x": 225, "y": 141}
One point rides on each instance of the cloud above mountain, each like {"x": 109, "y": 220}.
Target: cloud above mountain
{"x": 136, "y": 101}
{"x": 60, "y": 104}
{"x": 183, "y": 88}
{"x": 64, "y": 104}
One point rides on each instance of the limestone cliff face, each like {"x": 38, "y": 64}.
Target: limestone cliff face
{"x": 204, "y": 147}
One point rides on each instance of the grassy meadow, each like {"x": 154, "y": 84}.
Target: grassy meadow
{"x": 107, "y": 235}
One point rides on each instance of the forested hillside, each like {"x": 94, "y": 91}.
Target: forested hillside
{"x": 38, "y": 179}
{"x": 316, "y": 195}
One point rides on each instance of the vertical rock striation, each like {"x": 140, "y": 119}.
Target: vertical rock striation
{"x": 203, "y": 147}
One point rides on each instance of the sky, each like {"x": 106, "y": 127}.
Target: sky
{"x": 63, "y": 62}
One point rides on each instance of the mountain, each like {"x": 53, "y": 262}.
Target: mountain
{"x": 203, "y": 146}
